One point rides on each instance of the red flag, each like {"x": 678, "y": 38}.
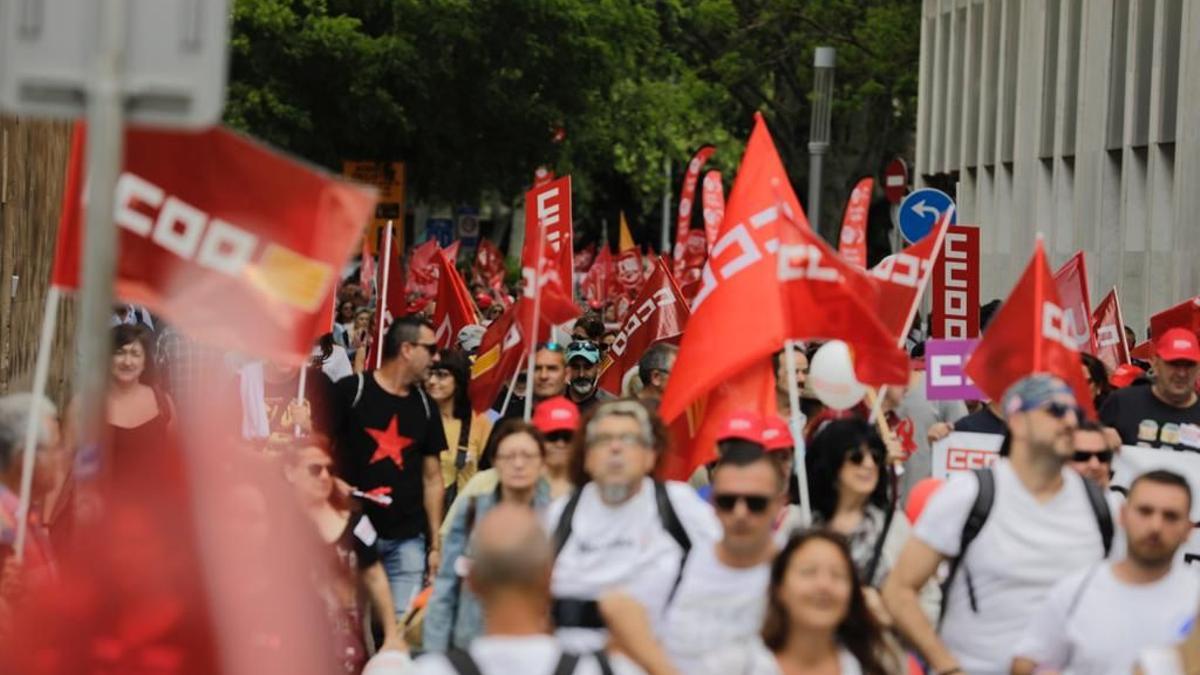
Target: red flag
{"x": 827, "y": 298}
{"x": 489, "y": 265}
{"x": 454, "y": 308}
{"x": 853, "y": 246}
{"x": 548, "y": 233}
{"x": 1184, "y": 315}
{"x": 65, "y": 273}
{"x": 734, "y": 323}
{"x": 366, "y": 270}
{"x": 237, "y": 246}
{"x": 1143, "y": 351}
{"x": 451, "y": 251}
{"x": 1071, "y": 280}
{"x": 659, "y": 313}
{"x": 713, "y": 201}
{"x": 689, "y": 277}
{"x": 423, "y": 269}
{"x": 902, "y": 278}
{"x": 687, "y": 199}
{"x": 599, "y": 278}
{"x": 585, "y": 258}
{"x": 501, "y": 353}
{"x": 1108, "y": 331}
{"x": 1030, "y": 333}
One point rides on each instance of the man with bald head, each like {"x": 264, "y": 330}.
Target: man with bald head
{"x": 510, "y": 574}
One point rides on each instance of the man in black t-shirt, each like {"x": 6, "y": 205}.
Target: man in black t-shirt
{"x": 389, "y": 437}
{"x": 1167, "y": 413}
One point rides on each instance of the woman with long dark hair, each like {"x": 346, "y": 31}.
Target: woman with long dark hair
{"x": 817, "y": 618}
{"x": 466, "y": 431}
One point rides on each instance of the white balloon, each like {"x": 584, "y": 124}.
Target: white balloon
{"x": 831, "y": 375}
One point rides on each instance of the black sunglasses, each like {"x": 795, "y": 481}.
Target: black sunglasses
{"x": 858, "y": 456}
{"x": 728, "y": 502}
{"x": 560, "y": 436}
{"x": 1083, "y": 456}
{"x": 1059, "y": 410}
{"x": 315, "y": 470}
{"x": 432, "y": 348}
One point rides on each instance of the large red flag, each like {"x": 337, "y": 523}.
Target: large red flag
{"x": 454, "y": 308}
{"x": 1108, "y": 331}
{"x": 234, "y": 244}
{"x": 423, "y": 270}
{"x": 501, "y": 353}
{"x": 548, "y": 234}
{"x": 687, "y": 200}
{"x": 827, "y": 298}
{"x": 1071, "y": 280}
{"x": 659, "y": 313}
{"x": 735, "y": 324}
{"x": 853, "y": 240}
{"x": 65, "y": 272}
{"x": 713, "y": 201}
{"x": 1029, "y": 334}
{"x": 902, "y": 277}
{"x": 1184, "y": 315}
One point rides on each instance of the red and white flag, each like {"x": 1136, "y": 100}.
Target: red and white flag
{"x": 501, "y": 352}
{"x": 713, "y": 202}
{"x": 902, "y": 278}
{"x": 423, "y": 270}
{"x": 1184, "y": 315}
{"x": 245, "y": 257}
{"x": 548, "y": 232}
{"x": 659, "y": 314}
{"x": 853, "y": 240}
{"x": 736, "y": 305}
{"x": 1071, "y": 280}
{"x": 1108, "y": 331}
{"x": 367, "y": 270}
{"x": 687, "y": 199}
{"x": 1029, "y": 334}
{"x": 454, "y": 307}
{"x": 599, "y": 279}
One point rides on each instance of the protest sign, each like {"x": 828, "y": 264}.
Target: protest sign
{"x": 964, "y": 451}
{"x": 956, "y": 285}
{"x": 944, "y": 376}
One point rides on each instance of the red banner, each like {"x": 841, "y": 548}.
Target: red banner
{"x": 694, "y": 255}
{"x": 629, "y": 272}
{"x": 687, "y": 199}
{"x": 231, "y": 242}
{"x": 548, "y": 232}
{"x": 489, "y": 265}
{"x": 1071, "y": 280}
{"x": 1108, "y": 331}
{"x": 366, "y": 270}
{"x": 902, "y": 278}
{"x": 599, "y": 278}
{"x": 1184, "y": 315}
{"x": 1027, "y": 336}
{"x": 853, "y": 244}
{"x": 956, "y": 285}
{"x": 454, "y": 307}
{"x": 500, "y": 354}
{"x": 423, "y": 269}
{"x": 659, "y": 313}
{"x": 713, "y": 202}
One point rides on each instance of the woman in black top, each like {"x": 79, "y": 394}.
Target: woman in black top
{"x": 351, "y": 541}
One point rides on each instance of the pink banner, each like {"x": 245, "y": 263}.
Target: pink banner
{"x": 853, "y": 246}
{"x": 713, "y": 203}
{"x": 687, "y": 197}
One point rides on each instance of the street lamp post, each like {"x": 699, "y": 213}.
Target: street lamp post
{"x": 818, "y": 131}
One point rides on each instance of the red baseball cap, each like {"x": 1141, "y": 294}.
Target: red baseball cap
{"x": 556, "y": 414}
{"x": 743, "y": 425}
{"x": 1124, "y": 375}
{"x": 776, "y": 436}
{"x": 483, "y": 300}
{"x": 1178, "y": 344}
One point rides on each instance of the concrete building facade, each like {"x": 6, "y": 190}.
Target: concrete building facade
{"x": 1076, "y": 119}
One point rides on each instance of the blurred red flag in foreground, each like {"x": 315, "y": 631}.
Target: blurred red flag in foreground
{"x": 231, "y": 242}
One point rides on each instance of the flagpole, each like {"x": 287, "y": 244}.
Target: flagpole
{"x": 41, "y": 373}
{"x": 512, "y": 383}
{"x": 537, "y": 308}
{"x": 300, "y": 393}
{"x": 789, "y": 358}
{"x": 384, "y": 272}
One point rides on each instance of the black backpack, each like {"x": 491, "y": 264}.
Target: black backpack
{"x": 463, "y": 664}
{"x": 982, "y": 508}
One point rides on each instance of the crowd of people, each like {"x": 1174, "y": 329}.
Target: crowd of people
{"x": 816, "y": 542}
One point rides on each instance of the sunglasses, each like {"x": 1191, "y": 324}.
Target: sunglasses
{"x": 560, "y": 436}
{"x": 728, "y": 502}
{"x": 550, "y": 347}
{"x": 1059, "y": 410}
{"x": 859, "y": 456}
{"x": 1083, "y": 456}
{"x": 432, "y": 348}
{"x": 315, "y": 470}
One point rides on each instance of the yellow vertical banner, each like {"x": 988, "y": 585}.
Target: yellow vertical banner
{"x": 388, "y": 177}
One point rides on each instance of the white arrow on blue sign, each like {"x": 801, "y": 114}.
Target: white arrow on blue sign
{"x": 920, "y": 211}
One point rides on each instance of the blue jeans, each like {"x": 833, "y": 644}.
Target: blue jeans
{"x": 404, "y": 562}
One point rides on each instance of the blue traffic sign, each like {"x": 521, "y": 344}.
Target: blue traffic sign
{"x": 920, "y": 211}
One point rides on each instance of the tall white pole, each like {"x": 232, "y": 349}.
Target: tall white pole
{"x": 789, "y": 357}
{"x": 385, "y": 273}
{"x": 41, "y": 373}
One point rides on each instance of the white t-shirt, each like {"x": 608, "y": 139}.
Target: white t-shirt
{"x": 625, "y": 548}
{"x": 753, "y": 658}
{"x": 526, "y": 655}
{"x": 716, "y": 606}
{"x": 1023, "y": 549}
{"x": 1092, "y": 622}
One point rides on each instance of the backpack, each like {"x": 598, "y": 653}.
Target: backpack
{"x": 587, "y": 609}
{"x": 464, "y": 664}
{"x": 981, "y": 509}
{"x": 359, "y": 392}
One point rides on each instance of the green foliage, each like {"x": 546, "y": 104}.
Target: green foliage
{"x": 470, "y": 92}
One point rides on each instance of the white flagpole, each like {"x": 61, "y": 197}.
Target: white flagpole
{"x": 512, "y": 385}
{"x": 537, "y": 308}
{"x": 300, "y": 393}
{"x": 385, "y": 272}
{"x": 789, "y": 357}
{"x": 41, "y": 373}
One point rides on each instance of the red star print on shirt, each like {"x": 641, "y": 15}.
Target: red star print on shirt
{"x": 389, "y": 444}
